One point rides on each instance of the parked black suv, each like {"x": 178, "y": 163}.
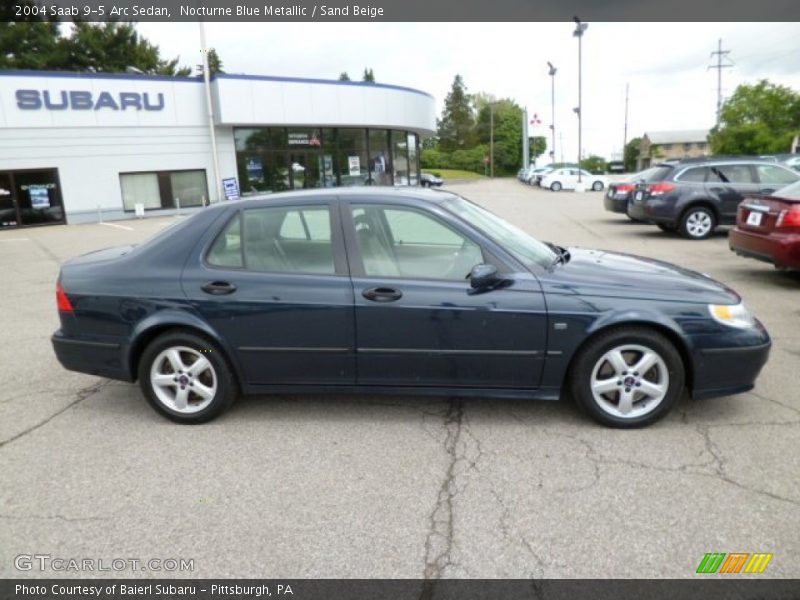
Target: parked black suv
{"x": 694, "y": 196}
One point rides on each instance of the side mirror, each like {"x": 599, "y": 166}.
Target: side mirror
{"x": 483, "y": 276}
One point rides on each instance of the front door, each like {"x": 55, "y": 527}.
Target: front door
{"x": 274, "y": 285}
{"x": 418, "y": 322}
{"x": 730, "y": 183}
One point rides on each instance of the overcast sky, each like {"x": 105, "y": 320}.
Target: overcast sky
{"x": 664, "y": 63}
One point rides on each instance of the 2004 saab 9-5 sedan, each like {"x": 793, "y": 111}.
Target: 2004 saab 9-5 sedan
{"x": 390, "y": 291}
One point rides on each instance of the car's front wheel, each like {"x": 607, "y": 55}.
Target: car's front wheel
{"x": 555, "y": 186}
{"x": 186, "y": 378}
{"x": 627, "y": 377}
{"x": 698, "y": 223}
{"x": 597, "y": 186}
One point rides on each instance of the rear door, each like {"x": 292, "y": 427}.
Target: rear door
{"x": 729, "y": 184}
{"x": 274, "y": 284}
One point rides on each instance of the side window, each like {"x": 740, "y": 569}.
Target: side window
{"x": 776, "y": 175}
{"x": 696, "y": 175}
{"x": 275, "y": 240}
{"x": 400, "y": 242}
{"x": 226, "y": 251}
{"x": 734, "y": 173}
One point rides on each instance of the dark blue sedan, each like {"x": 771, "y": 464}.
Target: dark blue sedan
{"x": 389, "y": 291}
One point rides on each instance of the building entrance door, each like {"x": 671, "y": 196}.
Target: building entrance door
{"x": 30, "y": 197}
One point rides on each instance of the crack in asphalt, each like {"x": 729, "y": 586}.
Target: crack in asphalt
{"x": 51, "y": 517}
{"x": 439, "y": 541}
{"x": 81, "y": 395}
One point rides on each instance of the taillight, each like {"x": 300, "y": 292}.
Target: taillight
{"x": 64, "y": 305}
{"x": 789, "y": 218}
{"x": 657, "y": 189}
{"x": 625, "y": 187}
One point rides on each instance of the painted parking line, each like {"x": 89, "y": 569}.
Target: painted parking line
{"x": 118, "y": 226}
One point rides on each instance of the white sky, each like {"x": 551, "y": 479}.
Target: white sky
{"x": 664, "y": 63}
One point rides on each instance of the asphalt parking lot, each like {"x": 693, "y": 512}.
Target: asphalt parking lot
{"x": 389, "y": 486}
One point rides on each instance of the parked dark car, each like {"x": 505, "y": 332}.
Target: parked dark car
{"x": 695, "y": 196}
{"x": 430, "y": 180}
{"x": 620, "y": 193}
{"x": 768, "y": 228}
{"x": 396, "y": 291}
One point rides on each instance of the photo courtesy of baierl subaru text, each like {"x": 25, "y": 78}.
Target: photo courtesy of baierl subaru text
{"x": 399, "y": 300}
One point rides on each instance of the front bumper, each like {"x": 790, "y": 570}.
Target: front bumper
{"x": 780, "y": 249}
{"x": 731, "y": 369}
{"x": 92, "y": 357}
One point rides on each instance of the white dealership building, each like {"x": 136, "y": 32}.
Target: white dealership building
{"x": 78, "y": 147}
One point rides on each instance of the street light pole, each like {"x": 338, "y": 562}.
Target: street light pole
{"x": 580, "y": 28}
{"x": 553, "y": 108}
{"x": 491, "y": 138}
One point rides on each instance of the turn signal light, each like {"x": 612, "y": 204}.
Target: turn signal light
{"x": 64, "y": 305}
{"x": 789, "y": 219}
{"x": 661, "y": 188}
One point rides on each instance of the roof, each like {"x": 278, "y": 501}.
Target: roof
{"x": 375, "y": 192}
{"x": 678, "y": 137}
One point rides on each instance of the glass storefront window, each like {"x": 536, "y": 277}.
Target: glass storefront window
{"x": 379, "y": 161}
{"x": 400, "y": 157}
{"x": 256, "y": 139}
{"x": 352, "y": 157}
{"x": 189, "y": 187}
{"x": 413, "y": 160}
{"x": 140, "y": 188}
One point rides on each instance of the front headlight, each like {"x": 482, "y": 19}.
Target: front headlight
{"x": 732, "y": 315}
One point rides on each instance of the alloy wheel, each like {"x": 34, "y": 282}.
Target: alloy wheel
{"x": 629, "y": 381}
{"x": 183, "y": 380}
{"x": 698, "y": 224}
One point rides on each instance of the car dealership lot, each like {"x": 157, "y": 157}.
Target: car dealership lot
{"x": 389, "y": 486}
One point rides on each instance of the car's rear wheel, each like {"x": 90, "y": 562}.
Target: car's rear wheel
{"x": 186, "y": 378}
{"x": 666, "y": 227}
{"x": 627, "y": 377}
{"x": 698, "y": 223}
{"x": 597, "y": 186}
{"x": 555, "y": 186}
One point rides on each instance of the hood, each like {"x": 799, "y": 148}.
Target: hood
{"x": 616, "y": 275}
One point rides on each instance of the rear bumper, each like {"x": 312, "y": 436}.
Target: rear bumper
{"x": 615, "y": 204}
{"x": 92, "y": 357}
{"x": 655, "y": 211}
{"x": 780, "y": 249}
{"x": 731, "y": 370}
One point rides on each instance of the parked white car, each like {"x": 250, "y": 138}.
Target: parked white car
{"x": 567, "y": 179}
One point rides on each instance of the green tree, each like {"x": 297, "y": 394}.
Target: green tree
{"x": 594, "y": 164}
{"x": 757, "y": 119}
{"x": 110, "y": 47}
{"x": 215, "y": 65}
{"x": 507, "y": 132}
{"x": 30, "y": 43}
{"x": 368, "y": 76}
{"x": 343, "y": 76}
{"x": 631, "y": 154}
{"x": 537, "y": 145}
{"x": 456, "y": 127}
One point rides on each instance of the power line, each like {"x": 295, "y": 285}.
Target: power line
{"x": 721, "y": 55}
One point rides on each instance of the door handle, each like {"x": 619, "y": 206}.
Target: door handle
{"x": 218, "y": 288}
{"x": 382, "y": 294}
{"x": 767, "y": 191}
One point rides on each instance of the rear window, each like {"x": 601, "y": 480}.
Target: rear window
{"x": 792, "y": 192}
{"x": 695, "y": 175}
{"x": 658, "y": 173}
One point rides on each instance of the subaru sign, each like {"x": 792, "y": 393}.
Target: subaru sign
{"x": 86, "y": 100}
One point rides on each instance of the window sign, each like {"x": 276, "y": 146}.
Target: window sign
{"x": 354, "y": 164}
{"x": 231, "y": 188}
{"x": 40, "y": 198}
{"x": 255, "y": 169}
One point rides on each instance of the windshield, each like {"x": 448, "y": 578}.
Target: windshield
{"x": 529, "y": 251}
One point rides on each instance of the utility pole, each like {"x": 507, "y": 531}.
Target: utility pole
{"x": 580, "y": 29}
{"x": 720, "y": 54}
{"x": 218, "y": 193}
{"x": 552, "y": 73}
{"x": 625, "y": 128}
{"x": 491, "y": 139}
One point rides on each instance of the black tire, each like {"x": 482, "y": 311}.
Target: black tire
{"x": 590, "y": 357}
{"x": 426, "y": 184}
{"x": 220, "y": 374}
{"x": 597, "y": 186}
{"x": 555, "y": 186}
{"x": 691, "y": 220}
{"x": 668, "y": 228}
